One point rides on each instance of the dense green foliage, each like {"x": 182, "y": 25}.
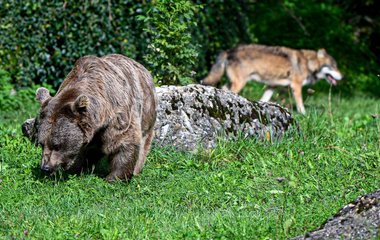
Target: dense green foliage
{"x": 170, "y": 54}
{"x": 239, "y": 190}
{"x": 12, "y": 100}
{"x": 40, "y": 40}
{"x": 179, "y": 40}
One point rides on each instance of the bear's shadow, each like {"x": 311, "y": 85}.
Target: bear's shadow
{"x": 99, "y": 169}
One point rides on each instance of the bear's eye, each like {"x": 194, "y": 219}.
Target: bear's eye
{"x": 42, "y": 114}
{"x": 55, "y": 147}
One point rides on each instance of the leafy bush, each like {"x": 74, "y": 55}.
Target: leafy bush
{"x": 6, "y": 92}
{"x": 40, "y": 40}
{"x": 171, "y": 52}
{"x": 11, "y": 100}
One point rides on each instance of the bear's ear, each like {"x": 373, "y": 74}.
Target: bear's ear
{"x": 28, "y": 128}
{"x": 321, "y": 53}
{"x": 42, "y": 94}
{"x": 81, "y": 103}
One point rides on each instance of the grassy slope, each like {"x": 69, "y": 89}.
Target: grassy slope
{"x": 230, "y": 192}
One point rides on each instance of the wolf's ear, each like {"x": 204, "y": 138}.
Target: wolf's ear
{"x": 42, "y": 94}
{"x": 321, "y": 53}
{"x": 81, "y": 103}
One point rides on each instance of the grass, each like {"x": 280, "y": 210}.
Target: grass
{"x": 242, "y": 189}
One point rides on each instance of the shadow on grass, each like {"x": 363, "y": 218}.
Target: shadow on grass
{"x": 99, "y": 169}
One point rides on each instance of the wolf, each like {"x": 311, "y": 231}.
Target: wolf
{"x": 274, "y": 66}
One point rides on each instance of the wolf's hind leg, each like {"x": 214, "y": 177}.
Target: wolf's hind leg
{"x": 267, "y": 95}
{"x": 237, "y": 81}
{"x": 237, "y": 85}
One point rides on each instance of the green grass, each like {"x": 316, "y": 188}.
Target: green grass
{"x": 232, "y": 192}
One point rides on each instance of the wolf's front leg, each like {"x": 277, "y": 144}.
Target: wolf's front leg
{"x": 297, "y": 93}
{"x": 122, "y": 162}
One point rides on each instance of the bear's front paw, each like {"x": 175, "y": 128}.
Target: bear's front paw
{"x": 112, "y": 178}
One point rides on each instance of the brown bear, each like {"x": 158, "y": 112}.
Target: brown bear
{"x": 105, "y": 106}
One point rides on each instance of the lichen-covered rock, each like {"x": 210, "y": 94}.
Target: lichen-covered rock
{"x": 358, "y": 220}
{"x": 196, "y": 115}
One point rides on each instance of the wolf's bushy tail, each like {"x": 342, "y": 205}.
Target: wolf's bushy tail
{"x": 217, "y": 70}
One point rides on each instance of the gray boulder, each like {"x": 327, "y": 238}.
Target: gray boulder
{"x": 358, "y": 220}
{"x": 196, "y": 115}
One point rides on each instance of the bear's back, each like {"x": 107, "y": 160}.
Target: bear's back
{"x": 117, "y": 83}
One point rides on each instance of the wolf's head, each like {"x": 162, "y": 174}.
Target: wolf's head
{"x": 328, "y": 68}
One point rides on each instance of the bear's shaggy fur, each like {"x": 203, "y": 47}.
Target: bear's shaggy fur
{"x": 105, "y": 106}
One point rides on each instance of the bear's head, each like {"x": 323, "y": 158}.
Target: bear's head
{"x": 61, "y": 125}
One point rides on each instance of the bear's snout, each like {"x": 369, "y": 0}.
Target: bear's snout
{"x": 51, "y": 160}
{"x": 46, "y": 168}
